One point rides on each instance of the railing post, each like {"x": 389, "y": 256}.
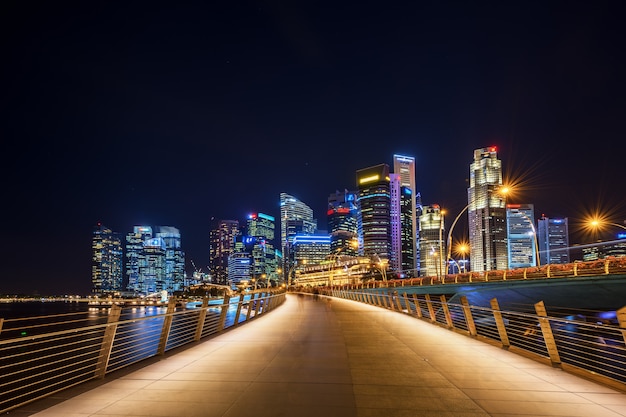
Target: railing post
{"x": 469, "y": 319}
{"x": 1, "y": 323}
{"x": 406, "y": 303}
{"x": 201, "y": 318}
{"x": 225, "y": 305}
{"x": 621, "y": 318}
{"x": 418, "y": 309}
{"x": 606, "y": 266}
{"x": 398, "y": 302}
{"x": 257, "y": 307}
{"x": 250, "y": 304}
{"x": 548, "y": 271}
{"x": 107, "y": 341}
{"x": 167, "y": 325}
{"x": 238, "y": 313}
{"x": 446, "y": 311}
{"x": 548, "y": 337}
{"x": 431, "y": 311}
{"x": 497, "y": 315}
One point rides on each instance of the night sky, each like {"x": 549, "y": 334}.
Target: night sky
{"x": 133, "y": 113}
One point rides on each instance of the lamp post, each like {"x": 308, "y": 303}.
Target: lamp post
{"x": 534, "y": 231}
{"x": 463, "y": 249}
{"x": 450, "y": 231}
{"x": 333, "y": 259}
{"x": 381, "y": 265}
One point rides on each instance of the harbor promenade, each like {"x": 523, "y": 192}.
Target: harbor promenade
{"x": 319, "y": 356}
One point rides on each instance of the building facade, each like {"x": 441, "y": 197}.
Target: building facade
{"x": 155, "y": 260}
{"x": 553, "y": 239}
{"x": 522, "y": 236}
{"x": 404, "y": 167}
{"x": 295, "y": 218}
{"x": 221, "y": 247}
{"x": 432, "y": 243}
{"x": 374, "y": 203}
{"x": 107, "y": 271}
{"x": 342, "y": 222}
{"x": 487, "y": 213}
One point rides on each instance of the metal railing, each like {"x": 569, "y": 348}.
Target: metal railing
{"x": 43, "y": 355}
{"x": 592, "y": 349}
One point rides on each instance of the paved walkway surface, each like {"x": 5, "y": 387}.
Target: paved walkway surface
{"x": 315, "y": 356}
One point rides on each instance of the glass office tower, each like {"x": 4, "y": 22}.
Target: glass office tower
{"x": 404, "y": 166}
{"x": 106, "y": 270}
{"x": 374, "y": 220}
{"x": 553, "y": 237}
{"x": 522, "y": 237}
{"x": 432, "y": 244}
{"x": 221, "y": 246}
{"x": 342, "y": 222}
{"x": 261, "y": 227}
{"x": 295, "y": 218}
{"x": 487, "y": 213}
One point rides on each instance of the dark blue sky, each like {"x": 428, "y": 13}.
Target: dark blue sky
{"x": 142, "y": 113}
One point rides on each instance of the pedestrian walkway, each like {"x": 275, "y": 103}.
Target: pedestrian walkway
{"x": 316, "y": 356}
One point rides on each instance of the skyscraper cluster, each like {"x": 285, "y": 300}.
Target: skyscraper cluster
{"x": 151, "y": 260}
{"x": 382, "y": 218}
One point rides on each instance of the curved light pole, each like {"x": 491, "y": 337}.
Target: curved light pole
{"x": 532, "y": 227}
{"x": 450, "y": 232}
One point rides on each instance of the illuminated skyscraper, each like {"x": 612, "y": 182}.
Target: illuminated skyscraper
{"x": 342, "y": 222}
{"x": 106, "y": 271}
{"x": 135, "y": 257}
{"x": 311, "y": 249}
{"x": 261, "y": 227}
{"x": 174, "y": 258}
{"x": 553, "y": 237}
{"x": 487, "y": 213}
{"x": 154, "y": 261}
{"x": 374, "y": 202}
{"x": 404, "y": 166}
{"x": 221, "y": 246}
{"x": 295, "y": 218}
{"x": 402, "y": 257}
{"x": 431, "y": 243}
{"x": 522, "y": 238}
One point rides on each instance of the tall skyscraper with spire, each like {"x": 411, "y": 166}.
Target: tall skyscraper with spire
{"x": 487, "y": 212}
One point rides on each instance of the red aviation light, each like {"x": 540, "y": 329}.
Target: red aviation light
{"x": 492, "y": 149}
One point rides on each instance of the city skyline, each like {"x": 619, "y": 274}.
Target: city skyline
{"x": 174, "y": 115}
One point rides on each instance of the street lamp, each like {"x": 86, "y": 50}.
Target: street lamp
{"x": 381, "y": 265}
{"x": 450, "y": 232}
{"x": 598, "y": 223}
{"x": 462, "y": 249}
